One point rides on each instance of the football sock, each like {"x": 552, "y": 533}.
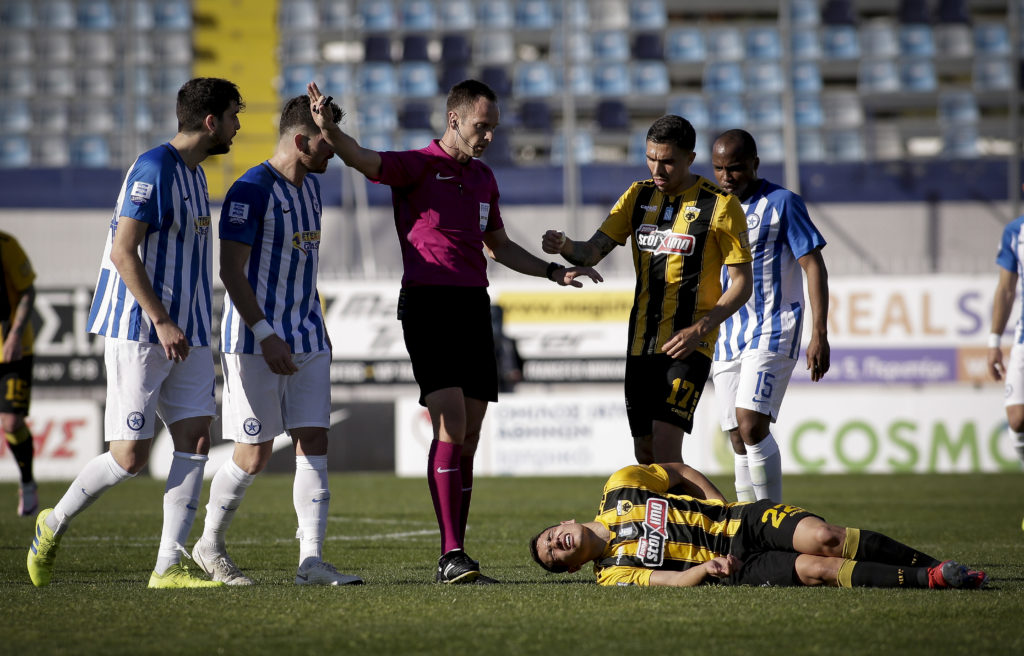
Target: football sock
{"x": 181, "y": 499}
{"x": 1019, "y": 444}
{"x": 744, "y": 488}
{"x": 20, "y": 442}
{"x": 444, "y": 478}
{"x": 864, "y": 545}
{"x": 99, "y": 475}
{"x": 312, "y": 499}
{"x": 227, "y": 489}
{"x": 765, "y": 464}
{"x": 466, "y": 465}
{"x": 854, "y": 574}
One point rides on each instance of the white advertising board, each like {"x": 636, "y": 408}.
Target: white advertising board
{"x": 67, "y": 435}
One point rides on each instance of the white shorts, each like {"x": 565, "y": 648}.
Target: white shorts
{"x": 142, "y": 383}
{"x": 259, "y": 405}
{"x": 757, "y": 380}
{"x": 1015, "y": 377}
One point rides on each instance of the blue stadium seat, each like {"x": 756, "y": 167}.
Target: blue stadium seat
{"x": 727, "y": 112}
{"x": 953, "y": 11}
{"x": 16, "y": 82}
{"x": 56, "y": 14}
{"x": 843, "y": 109}
{"x": 960, "y": 142}
{"x": 692, "y": 107}
{"x": 337, "y": 16}
{"x": 609, "y": 15}
{"x": 414, "y": 48}
{"x": 294, "y": 79}
{"x": 534, "y": 79}
{"x": 770, "y": 146}
{"x": 168, "y": 79}
{"x": 56, "y": 48}
{"x": 610, "y": 45}
{"x": 498, "y": 79}
{"x": 455, "y": 49}
{"x": 452, "y": 74}
{"x": 917, "y": 40}
{"x": 806, "y": 44}
{"x": 648, "y": 46}
{"x": 612, "y": 79}
{"x": 583, "y": 148}
{"x": 840, "y": 42}
{"x": 378, "y": 116}
{"x": 991, "y": 39}
{"x": 379, "y": 141}
{"x": 535, "y": 115}
{"x": 723, "y": 77}
{"x": 15, "y": 115}
{"x": 810, "y": 146}
{"x": 335, "y": 79}
{"x": 612, "y": 115}
{"x": 838, "y": 12}
{"x": 90, "y": 151}
{"x": 534, "y": 15}
{"x": 958, "y": 107}
{"x": 51, "y": 151}
{"x": 16, "y": 48}
{"x": 97, "y": 116}
{"x": 878, "y": 38}
{"x": 685, "y": 44}
{"x": 377, "y": 48}
{"x": 456, "y": 14}
{"x": 807, "y": 110}
{"x": 172, "y": 14}
{"x": 52, "y": 117}
{"x": 577, "y": 13}
{"x": 98, "y": 48}
{"x": 953, "y": 39}
{"x": 764, "y": 110}
{"x": 581, "y": 79}
{"x": 140, "y": 121}
{"x": 377, "y": 79}
{"x": 647, "y": 14}
{"x": 878, "y": 76}
{"x": 15, "y": 151}
{"x": 417, "y": 15}
{"x": 914, "y": 12}
{"x": 175, "y": 47}
{"x": 296, "y": 15}
{"x": 804, "y": 12}
{"x": 724, "y": 43}
{"x": 845, "y": 146}
{"x": 417, "y": 80}
{"x": 649, "y": 78}
{"x": 376, "y": 15}
{"x": 413, "y": 139}
{"x": 918, "y": 74}
{"x": 17, "y": 15}
{"x": 992, "y": 74}
{"x": 637, "y": 151}
{"x": 96, "y": 15}
{"x": 494, "y": 48}
{"x": 763, "y": 42}
{"x": 96, "y": 82}
{"x": 294, "y": 48}
{"x": 415, "y": 116}
{"x": 763, "y": 75}
{"x": 499, "y": 151}
{"x": 495, "y": 13}
{"x": 57, "y": 82}
{"x": 580, "y": 47}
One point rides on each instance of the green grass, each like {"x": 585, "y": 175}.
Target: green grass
{"x": 382, "y": 528}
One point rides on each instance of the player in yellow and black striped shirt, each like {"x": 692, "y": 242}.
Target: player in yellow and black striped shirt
{"x": 684, "y": 229}
{"x": 669, "y": 525}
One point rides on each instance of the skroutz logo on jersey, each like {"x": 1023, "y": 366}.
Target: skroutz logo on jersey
{"x": 306, "y": 240}
{"x": 651, "y": 547}
{"x": 650, "y": 239}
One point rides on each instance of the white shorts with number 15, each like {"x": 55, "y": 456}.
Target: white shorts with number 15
{"x": 757, "y": 380}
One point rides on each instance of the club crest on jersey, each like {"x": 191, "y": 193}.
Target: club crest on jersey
{"x": 753, "y": 220}
{"x": 238, "y": 213}
{"x": 690, "y": 213}
{"x": 623, "y": 507}
{"x": 306, "y": 240}
{"x": 202, "y": 224}
{"x": 652, "y": 240}
{"x": 141, "y": 192}
{"x": 651, "y": 547}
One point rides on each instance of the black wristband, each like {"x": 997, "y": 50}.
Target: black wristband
{"x": 552, "y": 267}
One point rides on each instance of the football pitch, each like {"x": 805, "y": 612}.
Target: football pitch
{"x": 382, "y": 528}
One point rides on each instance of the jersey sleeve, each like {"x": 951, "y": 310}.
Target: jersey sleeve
{"x": 244, "y": 207}
{"x": 1006, "y": 256}
{"x": 652, "y": 477}
{"x": 494, "y": 220}
{"x": 732, "y": 233}
{"x": 400, "y": 169}
{"x": 801, "y": 234}
{"x": 619, "y": 223}
{"x": 623, "y": 576}
{"x": 147, "y": 191}
{"x": 17, "y": 268}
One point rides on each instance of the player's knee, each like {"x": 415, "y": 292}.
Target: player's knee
{"x": 11, "y": 422}
{"x": 830, "y": 537}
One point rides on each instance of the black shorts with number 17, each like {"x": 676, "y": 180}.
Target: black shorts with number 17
{"x": 659, "y": 387}
{"x": 450, "y": 341}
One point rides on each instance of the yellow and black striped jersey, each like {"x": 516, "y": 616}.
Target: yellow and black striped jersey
{"x": 679, "y": 246}
{"x": 17, "y": 277}
{"x": 653, "y": 529}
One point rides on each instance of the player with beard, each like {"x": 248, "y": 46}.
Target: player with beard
{"x": 275, "y": 352}
{"x": 153, "y": 306}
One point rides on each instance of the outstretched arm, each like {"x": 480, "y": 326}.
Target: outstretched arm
{"x": 818, "y": 351}
{"x": 504, "y": 251}
{"x": 1002, "y": 304}
{"x": 19, "y": 321}
{"x": 581, "y": 253}
{"x": 364, "y": 160}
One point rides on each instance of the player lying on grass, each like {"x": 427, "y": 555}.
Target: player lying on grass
{"x": 669, "y": 525}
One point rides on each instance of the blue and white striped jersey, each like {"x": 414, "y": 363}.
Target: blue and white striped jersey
{"x": 1011, "y": 258}
{"x": 282, "y": 224}
{"x": 161, "y": 191}
{"x": 780, "y": 232}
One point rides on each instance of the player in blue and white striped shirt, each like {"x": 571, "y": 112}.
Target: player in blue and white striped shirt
{"x": 152, "y": 304}
{"x": 757, "y": 347}
{"x": 1010, "y": 260}
{"x": 274, "y": 346}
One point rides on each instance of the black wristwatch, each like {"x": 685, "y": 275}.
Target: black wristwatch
{"x": 552, "y": 267}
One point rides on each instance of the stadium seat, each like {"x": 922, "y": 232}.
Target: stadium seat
{"x": 992, "y": 74}
{"x": 806, "y": 44}
{"x": 414, "y": 116}
{"x": 580, "y": 47}
{"x": 576, "y": 14}
{"x": 455, "y": 49}
{"x": 610, "y": 45}
{"x": 172, "y": 14}
{"x": 960, "y": 142}
{"x": 417, "y": 15}
{"x": 692, "y": 107}
{"x": 648, "y": 46}
{"x": 56, "y": 14}
{"x": 535, "y": 115}
{"x": 770, "y": 146}
{"x": 499, "y": 152}
{"x": 413, "y": 139}
{"x": 495, "y": 13}
{"x": 17, "y": 15}
{"x": 804, "y": 13}
{"x": 958, "y": 107}
{"x": 51, "y": 117}
{"x": 176, "y": 48}
{"x": 845, "y": 146}
{"x": 15, "y": 151}
{"x": 95, "y": 15}
{"x": 452, "y": 74}
{"x": 953, "y": 11}
{"x": 168, "y": 79}
{"x": 534, "y": 79}
{"x": 335, "y": 80}
{"x": 417, "y": 80}
{"x": 50, "y": 151}
{"x": 456, "y": 15}
{"x": 953, "y": 39}
{"x": 376, "y": 15}
{"x": 764, "y": 110}
{"x": 914, "y": 12}
{"x": 497, "y": 78}
{"x": 16, "y": 48}
{"x": 918, "y": 74}
{"x": 842, "y": 109}
{"x": 583, "y": 148}
{"x": 294, "y": 48}
{"x": 647, "y": 14}
{"x": 377, "y": 79}
{"x": 96, "y": 116}
{"x": 726, "y": 112}
{"x": 140, "y": 120}
{"x": 15, "y": 115}
{"x": 636, "y": 153}
{"x": 685, "y": 44}
{"x": 840, "y": 42}
{"x": 649, "y": 78}
{"x": 878, "y": 38}
{"x": 838, "y": 12}
{"x": 294, "y": 79}
{"x": 917, "y": 40}
{"x": 807, "y": 110}
{"x": 763, "y": 42}
{"x": 56, "y": 82}
{"x": 378, "y": 116}
{"x": 763, "y": 75}
{"x": 337, "y": 16}
{"x": 379, "y": 141}
{"x": 141, "y": 15}
{"x": 581, "y": 79}
{"x": 57, "y": 48}
{"x": 90, "y": 151}
{"x": 534, "y": 15}
{"x": 377, "y": 48}
{"x": 16, "y": 82}
{"x": 414, "y": 48}
{"x": 96, "y": 82}
{"x": 991, "y": 39}
{"x": 612, "y": 79}
{"x": 297, "y": 15}
{"x": 609, "y": 15}
{"x": 137, "y": 48}
{"x": 612, "y": 115}
{"x": 724, "y": 43}
{"x": 723, "y": 77}
{"x": 810, "y": 146}
{"x": 494, "y": 48}
{"x": 878, "y": 76}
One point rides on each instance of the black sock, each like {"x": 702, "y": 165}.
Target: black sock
{"x": 878, "y": 548}
{"x": 880, "y": 575}
{"x": 23, "y": 455}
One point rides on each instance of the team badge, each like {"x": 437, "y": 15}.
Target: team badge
{"x": 238, "y": 213}
{"x": 651, "y": 547}
{"x": 252, "y": 426}
{"x": 753, "y": 220}
{"x": 690, "y": 213}
{"x": 141, "y": 192}
{"x": 623, "y": 507}
{"x": 136, "y": 420}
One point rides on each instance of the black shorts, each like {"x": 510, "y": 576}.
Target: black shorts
{"x": 16, "y": 386}
{"x": 448, "y": 335}
{"x": 765, "y": 544}
{"x": 661, "y": 388}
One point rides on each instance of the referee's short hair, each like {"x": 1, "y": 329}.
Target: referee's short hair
{"x": 672, "y": 129}
{"x": 465, "y": 93}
